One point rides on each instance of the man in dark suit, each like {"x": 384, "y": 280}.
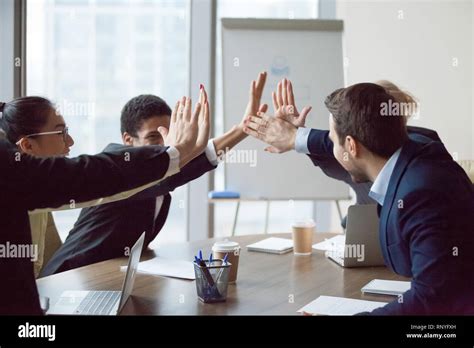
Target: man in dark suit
{"x": 318, "y": 146}
{"x": 29, "y": 183}
{"x": 426, "y": 200}
{"x": 106, "y": 231}
{"x": 316, "y": 143}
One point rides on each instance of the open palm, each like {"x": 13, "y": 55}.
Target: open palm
{"x": 285, "y": 107}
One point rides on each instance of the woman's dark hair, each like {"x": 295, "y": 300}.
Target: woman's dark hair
{"x": 24, "y": 116}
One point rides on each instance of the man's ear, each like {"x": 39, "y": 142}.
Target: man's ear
{"x": 26, "y": 146}
{"x": 127, "y": 139}
{"x": 352, "y": 146}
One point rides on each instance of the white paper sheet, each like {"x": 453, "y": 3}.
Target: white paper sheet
{"x": 386, "y": 287}
{"x": 331, "y": 244}
{"x": 167, "y": 268}
{"x": 330, "y": 305}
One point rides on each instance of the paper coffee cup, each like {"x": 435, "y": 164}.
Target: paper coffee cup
{"x": 232, "y": 249}
{"x": 303, "y": 237}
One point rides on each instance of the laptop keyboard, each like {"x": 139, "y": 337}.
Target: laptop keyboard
{"x": 98, "y": 302}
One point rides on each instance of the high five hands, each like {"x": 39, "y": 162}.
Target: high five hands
{"x": 278, "y": 131}
{"x": 255, "y": 96}
{"x": 188, "y": 132}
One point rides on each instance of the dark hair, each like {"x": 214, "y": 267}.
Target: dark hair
{"x": 357, "y": 111}
{"x": 24, "y": 116}
{"x": 139, "y": 109}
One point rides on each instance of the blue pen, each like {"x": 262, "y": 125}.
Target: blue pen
{"x": 196, "y": 259}
{"x": 200, "y": 255}
{"x": 210, "y": 259}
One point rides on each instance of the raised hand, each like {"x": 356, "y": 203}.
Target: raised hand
{"x": 277, "y": 132}
{"x": 255, "y": 96}
{"x": 185, "y": 128}
{"x": 285, "y": 107}
{"x": 203, "y": 121}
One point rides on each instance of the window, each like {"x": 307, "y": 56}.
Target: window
{"x": 90, "y": 57}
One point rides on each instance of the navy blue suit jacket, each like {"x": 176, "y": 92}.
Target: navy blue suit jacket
{"x": 103, "y": 232}
{"x": 320, "y": 152}
{"x": 426, "y": 230}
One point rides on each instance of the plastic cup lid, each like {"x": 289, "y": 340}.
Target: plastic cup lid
{"x": 304, "y": 223}
{"x": 225, "y": 246}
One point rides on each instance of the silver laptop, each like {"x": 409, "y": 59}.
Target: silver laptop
{"x": 361, "y": 246}
{"x": 101, "y": 302}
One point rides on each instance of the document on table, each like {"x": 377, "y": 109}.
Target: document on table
{"x": 330, "y": 305}
{"x": 272, "y": 245}
{"x": 331, "y": 244}
{"x": 167, "y": 268}
{"x": 386, "y": 287}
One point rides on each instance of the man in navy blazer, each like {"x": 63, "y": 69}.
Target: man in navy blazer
{"x": 425, "y": 199}
{"x": 319, "y": 148}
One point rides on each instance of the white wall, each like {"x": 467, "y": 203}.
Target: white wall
{"x": 414, "y": 44}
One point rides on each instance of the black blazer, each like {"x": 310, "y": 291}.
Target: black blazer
{"x": 106, "y": 231}
{"x": 28, "y": 183}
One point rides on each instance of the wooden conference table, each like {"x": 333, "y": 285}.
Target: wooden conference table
{"x": 266, "y": 283}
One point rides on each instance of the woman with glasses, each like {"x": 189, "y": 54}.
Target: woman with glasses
{"x": 37, "y": 129}
{"x": 28, "y": 182}
{"x": 33, "y": 124}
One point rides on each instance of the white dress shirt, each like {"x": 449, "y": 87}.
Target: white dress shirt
{"x": 380, "y": 186}
{"x": 173, "y": 168}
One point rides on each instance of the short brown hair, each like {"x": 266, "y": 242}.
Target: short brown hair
{"x": 356, "y": 111}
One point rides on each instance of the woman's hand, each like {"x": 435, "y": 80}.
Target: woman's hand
{"x": 255, "y": 96}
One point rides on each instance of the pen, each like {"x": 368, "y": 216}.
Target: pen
{"x": 200, "y": 255}
{"x": 210, "y": 259}
{"x": 224, "y": 262}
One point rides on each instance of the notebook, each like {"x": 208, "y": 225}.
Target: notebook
{"x": 386, "y": 287}
{"x": 272, "y": 245}
{"x": 330, "y": 305}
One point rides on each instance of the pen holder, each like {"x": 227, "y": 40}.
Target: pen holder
{"x": 212, "y": 280}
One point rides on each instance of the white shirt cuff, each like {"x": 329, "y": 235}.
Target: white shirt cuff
{"x": 174, "y": 161}
{"x": 211, "y": 153}
{"x": 301, "y": 140}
